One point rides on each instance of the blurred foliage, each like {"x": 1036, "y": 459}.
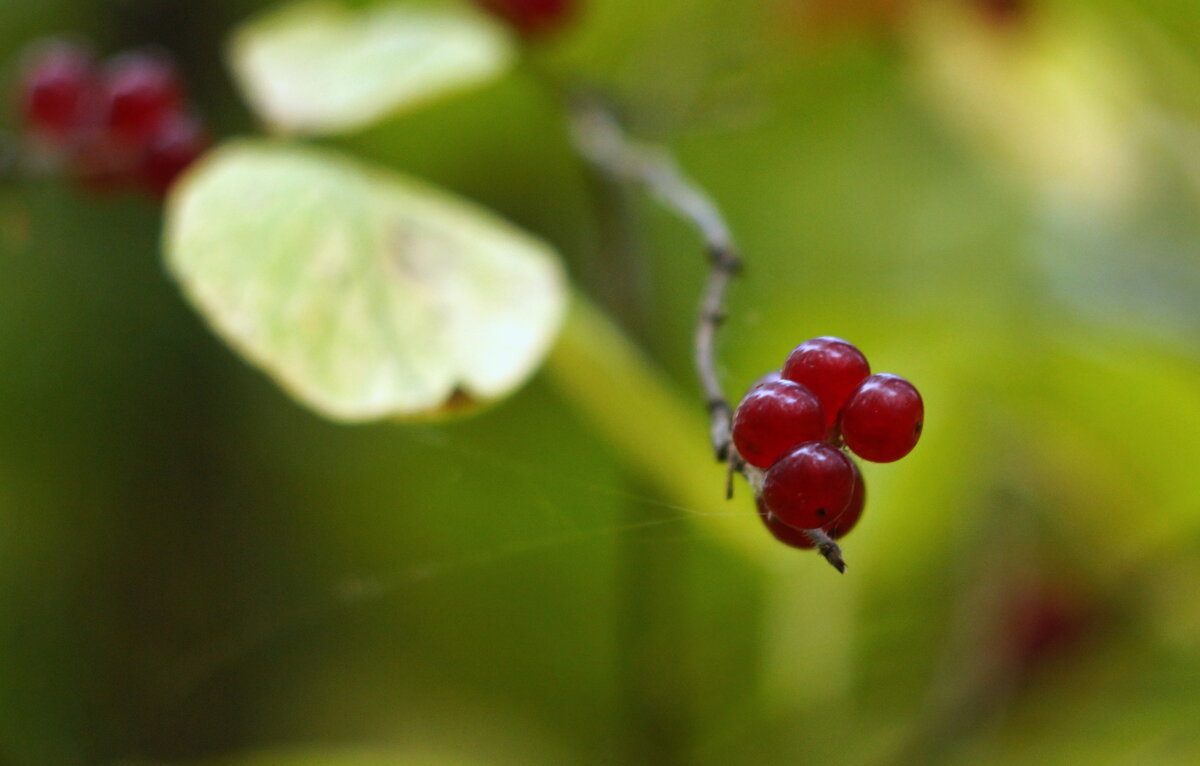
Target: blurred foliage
{"x": 321, "y": 67}
{"x": 997, "y": 199}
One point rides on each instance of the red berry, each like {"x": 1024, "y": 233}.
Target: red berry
{"x": 1003, "y": 12}
{"x": 775, "y": 417}
{"x": 58, "y": 88}
{"x": 531, "y": 17}
{"x": 1044, "y": 620}
{"x": 770, "y": 377}
{"x": 841, "y": 526}
{"x": 142, "y": 90}
{"x": 882, "y": 419}
{"x": 780, "y": 531}
{"x": 830, "y": 367}
{"x": 177, "y": 143}
{"x": 810, "y": 486}
{"x": 837, "y": 529}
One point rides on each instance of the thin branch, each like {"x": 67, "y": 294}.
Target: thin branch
{"x": 599, "y": 137}
{"x": 602, "y": 141}
{"x": 827, "y": 548}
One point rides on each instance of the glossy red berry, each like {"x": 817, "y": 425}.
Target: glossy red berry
{"x": 830, "y": 367}
{"x": 773, "y": 418}
{"x": 810, "y": 486}
{"x": 178, "y": 143}
{"x": 532, "y": 17}
{"x": 780, "y": 531}
{"x": 883, "y": 418}
{"x": 58, "y": 86}
{"x": 770, "y": 377}
{"x": 142, "y": 91}
{"x": 836, "y": 529}
{"x": 841, "y": 526}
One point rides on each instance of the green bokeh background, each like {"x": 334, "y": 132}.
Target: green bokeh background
{"x": 193, "y": 569}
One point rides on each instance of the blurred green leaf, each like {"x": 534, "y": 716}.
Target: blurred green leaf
{"x": 1058, "y": 103}
{"x": 321, "y": 68}
{"x": 365, "y": 294}
{"x": 1103, "y": 401}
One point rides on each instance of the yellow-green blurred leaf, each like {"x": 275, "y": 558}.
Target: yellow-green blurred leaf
{"x": 364, "y": 293}
{"x": 1055, "y": 100}
{"x": 320, "y": 68}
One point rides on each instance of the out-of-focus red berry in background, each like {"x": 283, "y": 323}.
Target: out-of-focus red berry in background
{"x": 120, "y": 125}
{"x": 1044, "y": 620}
{"x": 533, "y": 18}
{"x": 141, "y": 92}
{"x": 58, "y": 89}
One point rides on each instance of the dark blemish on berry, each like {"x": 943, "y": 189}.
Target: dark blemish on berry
{"x": 822, "y": 512}
{"x": 917, "y": 428}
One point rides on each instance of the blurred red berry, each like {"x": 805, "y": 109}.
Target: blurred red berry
{"x": 1002, "y": 12}
{"x": 177, "y": 144}
{"x": 1045, "y": 620}
{"x": 57, "y": 90}
{"x": 824, "y": 21}
{"x": 122, "y": 126}
{"x": 141, "y": 91}
{"x": 532, "y": 17}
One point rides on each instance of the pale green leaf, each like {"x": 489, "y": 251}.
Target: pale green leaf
{"x": 362, "y": 292}
{"x": 321, "y": 68}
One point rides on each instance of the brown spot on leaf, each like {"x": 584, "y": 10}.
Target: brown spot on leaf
{"x": 459, "y": 401}
{"x": 420, "y": 254}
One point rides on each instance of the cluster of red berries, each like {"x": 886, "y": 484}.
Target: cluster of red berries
{"x": 532, "y": 18}
{"x": 121, "y": 124}
{"x": 793, "y": 423}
